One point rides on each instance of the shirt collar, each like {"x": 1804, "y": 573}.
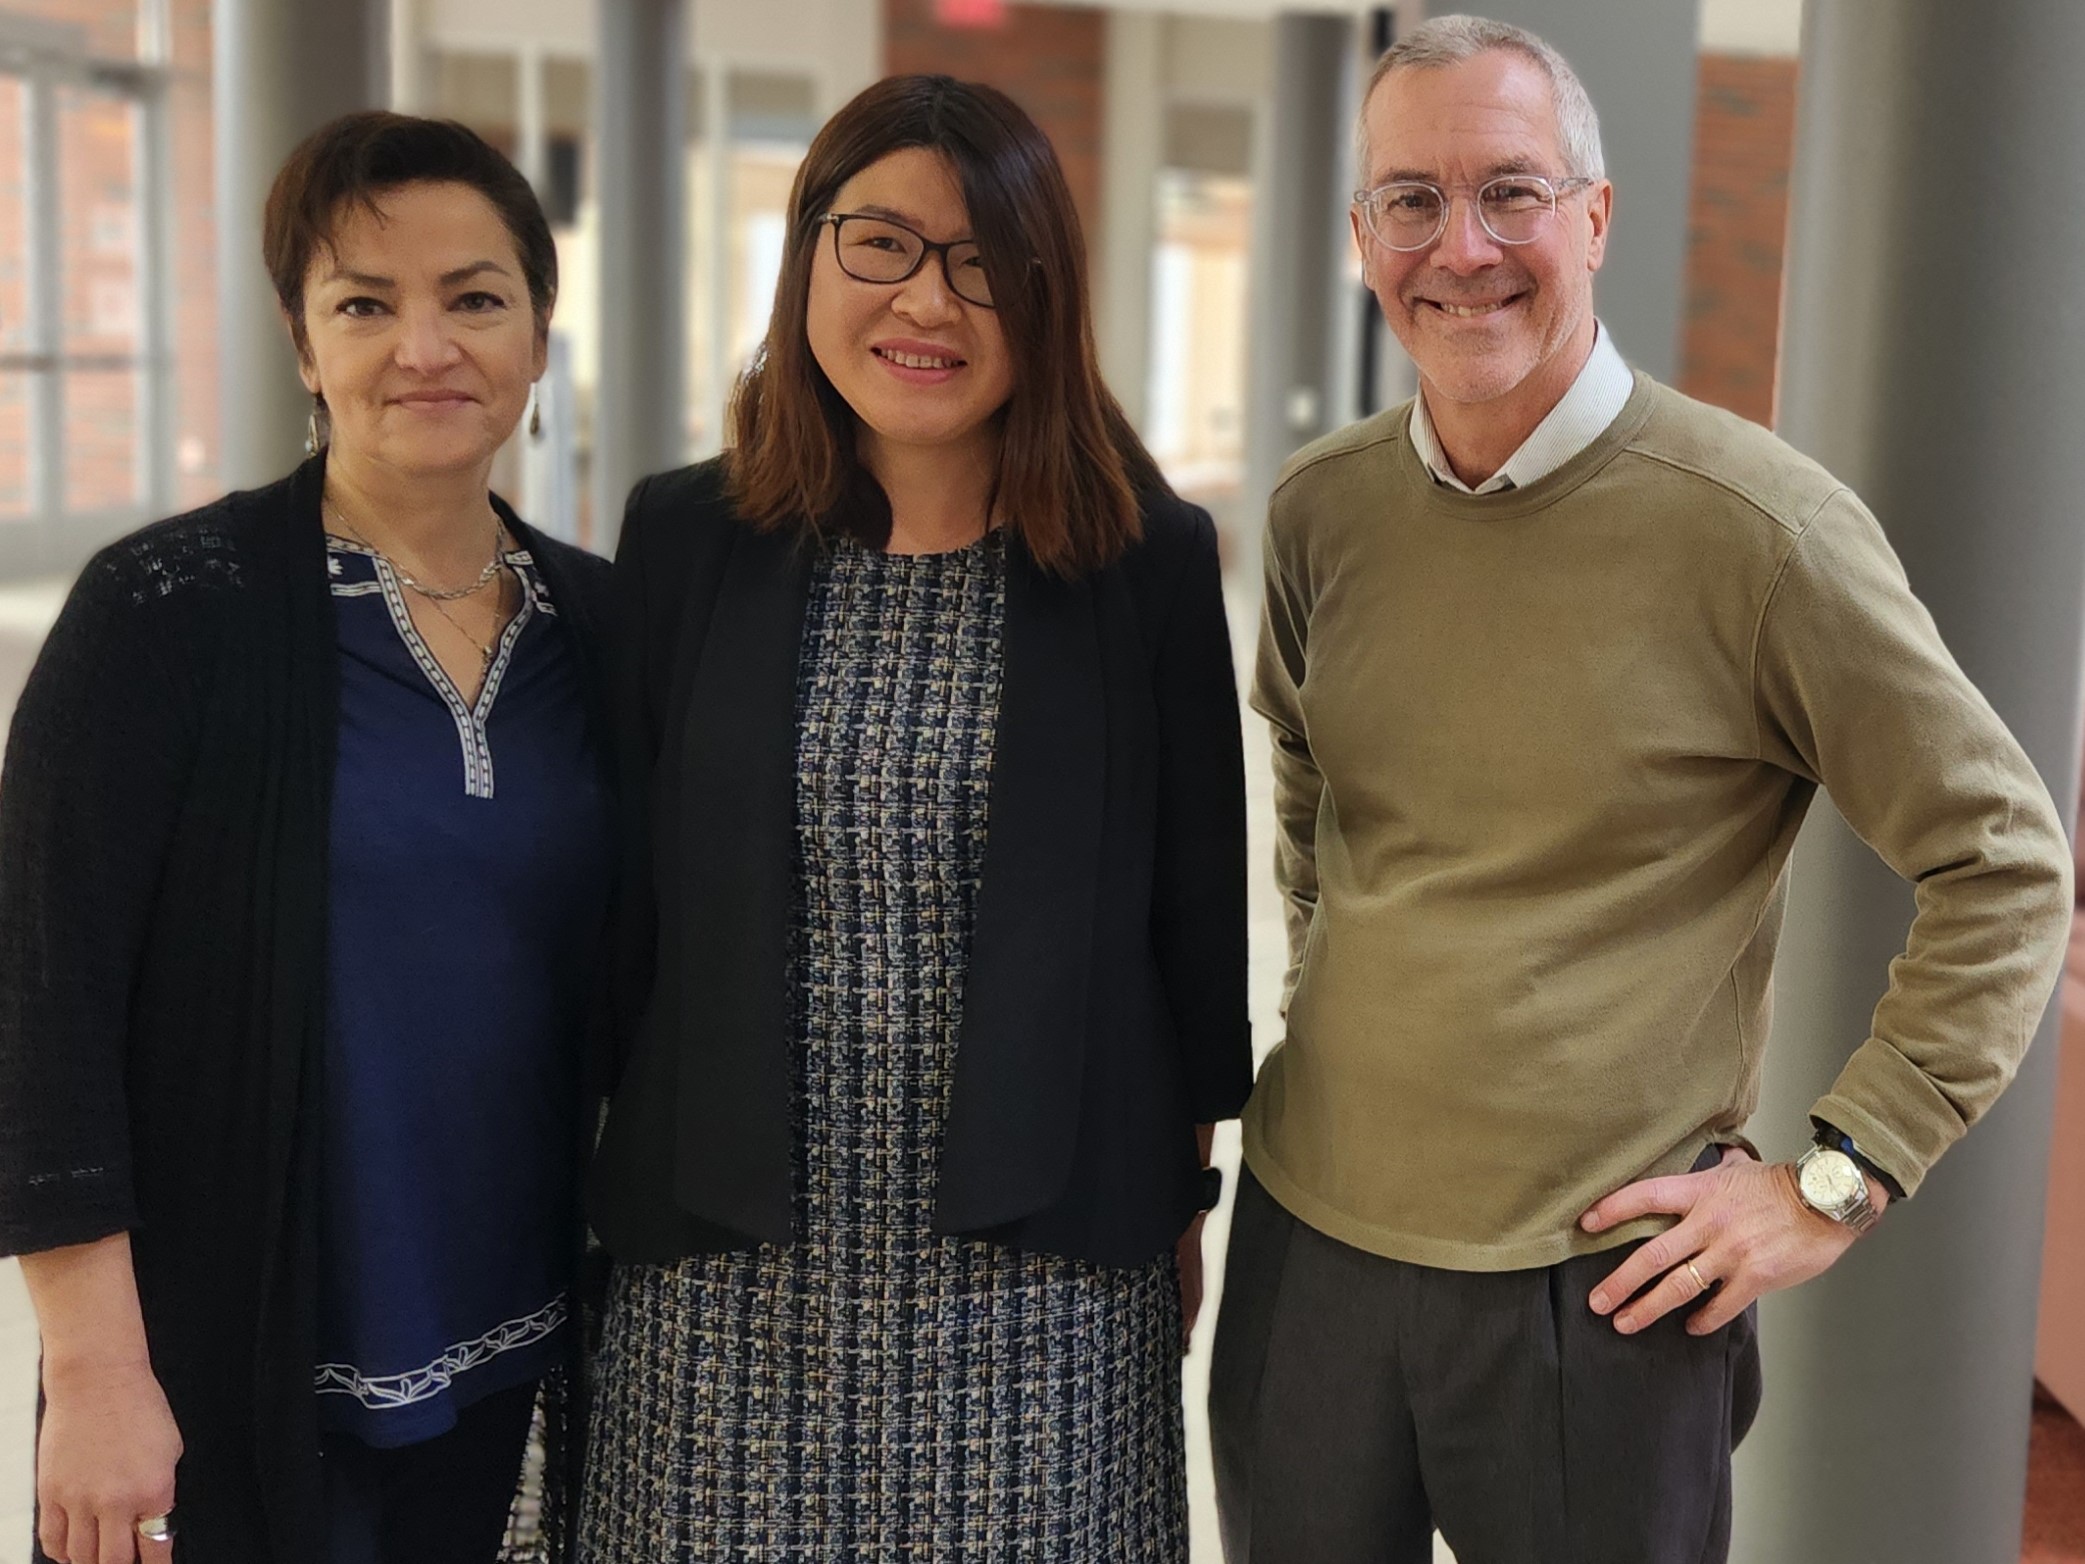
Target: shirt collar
{"x": 1595, "y": 400}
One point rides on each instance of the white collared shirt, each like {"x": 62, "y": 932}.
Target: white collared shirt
{"x": 1595, "y": 400}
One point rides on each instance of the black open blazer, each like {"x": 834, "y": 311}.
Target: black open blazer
{"x": 1104, "y": 1011}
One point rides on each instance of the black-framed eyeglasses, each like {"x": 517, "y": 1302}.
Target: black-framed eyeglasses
{"x": 1409, "y": 214}
{"x": 875, "y": 249}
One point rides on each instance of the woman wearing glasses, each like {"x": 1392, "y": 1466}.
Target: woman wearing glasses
{"x": 929, "y": 698}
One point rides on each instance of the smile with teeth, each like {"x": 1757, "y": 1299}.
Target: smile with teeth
{"x": 1470, "y": 311}
{"x": 916, "y": 360}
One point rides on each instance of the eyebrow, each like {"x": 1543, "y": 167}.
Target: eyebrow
{"x": 893, "y": 215}
{"x": 1421, "y": 176}
{"x": 448, "y": 279}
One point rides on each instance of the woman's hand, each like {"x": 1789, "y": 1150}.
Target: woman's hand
{"x": 104, "y": 1461}
{"x": 1187, "y": 1255}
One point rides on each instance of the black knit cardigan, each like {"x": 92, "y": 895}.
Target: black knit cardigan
{"x": 164, "y": 816}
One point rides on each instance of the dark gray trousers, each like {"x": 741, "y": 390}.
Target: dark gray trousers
{"x": 1357, "y": 1403}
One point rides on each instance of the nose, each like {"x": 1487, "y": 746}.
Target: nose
{"x": 426, "y": 339}
{"x": 925, "y": 298}
{"x": 1465, "y": 245}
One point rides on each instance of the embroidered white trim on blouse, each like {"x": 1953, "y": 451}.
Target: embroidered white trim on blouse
{"x": 470, "y": 720}
{"x": 422, "y": 1384}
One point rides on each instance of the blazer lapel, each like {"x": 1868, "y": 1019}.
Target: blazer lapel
{"x": 1014, "y": 1105}
{"x": 734, "y": 1162}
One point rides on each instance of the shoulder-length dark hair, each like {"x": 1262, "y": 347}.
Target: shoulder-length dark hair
{"x": 1070, "y": 466}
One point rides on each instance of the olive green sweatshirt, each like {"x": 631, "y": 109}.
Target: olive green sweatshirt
{"x": 1540, "y": 758}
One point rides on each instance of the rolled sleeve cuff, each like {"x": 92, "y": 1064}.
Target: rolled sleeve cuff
{"x": 1899, "y": 1118}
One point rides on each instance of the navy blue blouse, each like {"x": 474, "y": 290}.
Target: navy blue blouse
{"x": 468, "y": 883}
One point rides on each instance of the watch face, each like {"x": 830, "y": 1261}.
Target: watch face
{"x": 1832, "y": 1181}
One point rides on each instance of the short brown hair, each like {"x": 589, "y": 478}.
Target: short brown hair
{"x": 1070, "y": 466}
{"x": 356, "y": 158}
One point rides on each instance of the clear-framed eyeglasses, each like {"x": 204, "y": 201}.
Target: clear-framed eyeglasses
{"x": 1410, "y": 214}
{"x": 875, "y": 249}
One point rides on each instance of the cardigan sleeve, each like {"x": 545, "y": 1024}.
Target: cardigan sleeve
{"x": 1198, "y": 909}
{"x": 97, "y": 757}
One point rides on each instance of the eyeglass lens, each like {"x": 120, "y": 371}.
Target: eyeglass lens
{"x": 872, "y": 250}
{"x": 1410, "y": 216}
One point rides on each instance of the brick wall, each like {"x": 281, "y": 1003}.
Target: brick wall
{"x": 1049, "y": 61}
{"x": 1744, "y": 140}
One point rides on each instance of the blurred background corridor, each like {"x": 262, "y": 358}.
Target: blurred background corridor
{"x": 142, "y": 370}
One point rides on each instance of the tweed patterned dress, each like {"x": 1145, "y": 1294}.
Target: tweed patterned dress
{"x": 875, "y": 1392}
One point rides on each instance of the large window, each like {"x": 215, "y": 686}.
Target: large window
{"x": 86, "y": 417}
{"x": 749, "y": 131}
{"x": 1194, "y": 400}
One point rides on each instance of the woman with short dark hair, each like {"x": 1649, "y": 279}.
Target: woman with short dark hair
{"x": 304, "y": 848}
{"x": 929, "y": 698}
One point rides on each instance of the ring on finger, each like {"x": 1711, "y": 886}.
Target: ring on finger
{"x": 1701, "y": 1282}
{"x": 156, "y": 1528}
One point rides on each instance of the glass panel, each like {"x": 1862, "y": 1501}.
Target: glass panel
{"x": 760, "y": 178}
{"x": 16, "y": 336}
{"x": 102, "y": 298}
{"x": 773, "y": 119}
{"x": 732, "y": 274}
{"x": 107, "y": 29}
{"x": 97, "y": 174}
{"x": 101, "y": 439}
{"x": 1196, "y": 394}
{"x": 192, "y": 257}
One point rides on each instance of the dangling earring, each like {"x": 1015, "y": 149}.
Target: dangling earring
{"x": 314, "y": 433}
{"x": 535, "y": 416}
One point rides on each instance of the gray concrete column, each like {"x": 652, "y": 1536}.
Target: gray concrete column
{"x": 407, "y": 50}
{"x": 1932, "y": 361}
{"x": 640, "y": 173}
{"x": 1133, "y": 130}
{"x": 281, "y": 68}
{"x": 1302, "y": 179}
{"x": 1637, "y": 60}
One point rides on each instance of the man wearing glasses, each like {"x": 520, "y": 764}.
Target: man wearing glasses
{"x": 1555, "y": 659}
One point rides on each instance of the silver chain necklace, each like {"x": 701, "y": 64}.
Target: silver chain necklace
{"x": 432, "y": 594}
{"x": 485, "y": 651}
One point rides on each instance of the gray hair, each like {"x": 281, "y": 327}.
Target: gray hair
{"x": 1450, "y": 40}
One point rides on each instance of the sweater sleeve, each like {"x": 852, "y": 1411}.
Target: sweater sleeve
{"x": 1198, "y": 883}
{"x": 97, "y": 758}
{"x": 1299, "y": 788}
{"x": 1856, "y": 691}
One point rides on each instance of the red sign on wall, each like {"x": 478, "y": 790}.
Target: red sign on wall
{"x": 970, "y": 13}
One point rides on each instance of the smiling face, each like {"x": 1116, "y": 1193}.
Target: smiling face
{"x": 421, "y": 338}
{"x": 919, "y": 366}
{"x": 1486, "y": 323}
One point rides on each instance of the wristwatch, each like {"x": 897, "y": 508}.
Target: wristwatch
{"x": 1832, "y": 1184}
{"x": 1834, "y": 1138}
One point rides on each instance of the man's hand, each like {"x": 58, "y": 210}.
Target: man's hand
{"x": 1743, "y": 1224}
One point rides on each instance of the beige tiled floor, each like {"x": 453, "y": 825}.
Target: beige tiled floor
{"x": 25, "y": 613}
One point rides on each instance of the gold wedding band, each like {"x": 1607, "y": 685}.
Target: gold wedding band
{"x": 1699, "y": 1280}
{"x": 156, "y": 1528}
